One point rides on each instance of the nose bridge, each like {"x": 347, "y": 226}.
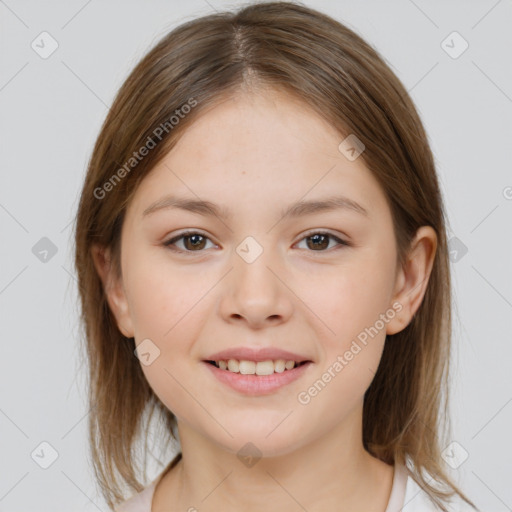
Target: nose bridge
{"x": 251, "y": 261}
{"x": 250, "y": 249}
{"x": 255, "y": 292}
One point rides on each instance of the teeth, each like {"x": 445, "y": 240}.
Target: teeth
{"x": 256, "y": 368}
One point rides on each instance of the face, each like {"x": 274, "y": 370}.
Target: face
{"x": 321, "y": 283}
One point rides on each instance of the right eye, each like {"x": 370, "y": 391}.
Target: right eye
{"x": 194, "y": 241}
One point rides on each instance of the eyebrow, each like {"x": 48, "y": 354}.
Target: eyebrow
{"x": 298, "y": 209}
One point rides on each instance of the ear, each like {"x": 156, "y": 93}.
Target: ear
{"x": 412, "y": 279}
{"x": 114, "y": 290}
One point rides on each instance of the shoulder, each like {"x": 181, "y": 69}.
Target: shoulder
{"x": 140, "y": 502}
{"x": 417, "y": 500}
{"x": 143, "y": 500}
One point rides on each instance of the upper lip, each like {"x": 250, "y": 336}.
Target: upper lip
{"x": 259, "y": 354}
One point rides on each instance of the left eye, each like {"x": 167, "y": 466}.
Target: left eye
{"x": 195, "y": 242}
{"x": 320, "y": 239}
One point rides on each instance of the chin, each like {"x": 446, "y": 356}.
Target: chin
{"x": 267, "y": 441}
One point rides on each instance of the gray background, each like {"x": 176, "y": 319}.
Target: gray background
{"x": 51, "y": 112}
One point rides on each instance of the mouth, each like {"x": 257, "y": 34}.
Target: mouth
{"x": 259, "y": 368}
{"x": 257, "y": 377}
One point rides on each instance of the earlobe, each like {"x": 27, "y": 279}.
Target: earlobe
{"x": 113, "y": 289}
{"x": 412, "y": 279}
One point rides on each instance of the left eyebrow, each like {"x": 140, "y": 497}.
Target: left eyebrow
{"x": 298, "y": 209}
{"x": 328, "y": 204}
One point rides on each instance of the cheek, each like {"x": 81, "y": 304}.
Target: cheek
{"x": 351, "y": 305}
{"x": 153, "y": 305}
{"x": 159, "y": 295}
{"x": 350, "y": 299}
{"x": 166, "y": 308}
{"x": 168, "y": 304}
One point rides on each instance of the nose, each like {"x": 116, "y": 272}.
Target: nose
{"x": 256, "y": 292}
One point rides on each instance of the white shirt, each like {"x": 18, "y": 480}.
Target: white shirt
{"x": 408, "y": 496}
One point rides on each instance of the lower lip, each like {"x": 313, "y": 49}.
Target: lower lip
{"x": 258, "y": 384}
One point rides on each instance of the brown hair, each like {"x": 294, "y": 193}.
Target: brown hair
{"x": 305, "y": 53}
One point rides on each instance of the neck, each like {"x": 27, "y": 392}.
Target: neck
{"x": 331, "y": 473}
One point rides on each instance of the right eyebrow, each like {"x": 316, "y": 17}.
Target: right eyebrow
{"x": 192, "y": 205}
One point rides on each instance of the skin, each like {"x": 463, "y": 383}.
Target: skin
{"x": 256, "y": 154}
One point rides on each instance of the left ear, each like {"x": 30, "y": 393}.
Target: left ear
{"x": 412, "y": 278}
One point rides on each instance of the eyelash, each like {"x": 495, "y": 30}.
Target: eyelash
{"x": 184, "y": 234}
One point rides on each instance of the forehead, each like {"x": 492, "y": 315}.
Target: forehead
{"x": 258, "y": 150}
{"x": 261, "y": 126}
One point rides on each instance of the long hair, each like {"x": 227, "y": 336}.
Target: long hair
{"x": 307, "y": 54}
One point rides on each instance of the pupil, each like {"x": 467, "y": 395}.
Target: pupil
{"x": 316, "y": 237}
{"x": 197, "y": 243}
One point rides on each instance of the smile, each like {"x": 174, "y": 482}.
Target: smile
{"x": 246, "y": 367}
{"x": 246, "y": 380}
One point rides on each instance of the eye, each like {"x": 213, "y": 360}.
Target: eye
{"x": 319, "y": 240}
{"x": 193, "y": 242}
